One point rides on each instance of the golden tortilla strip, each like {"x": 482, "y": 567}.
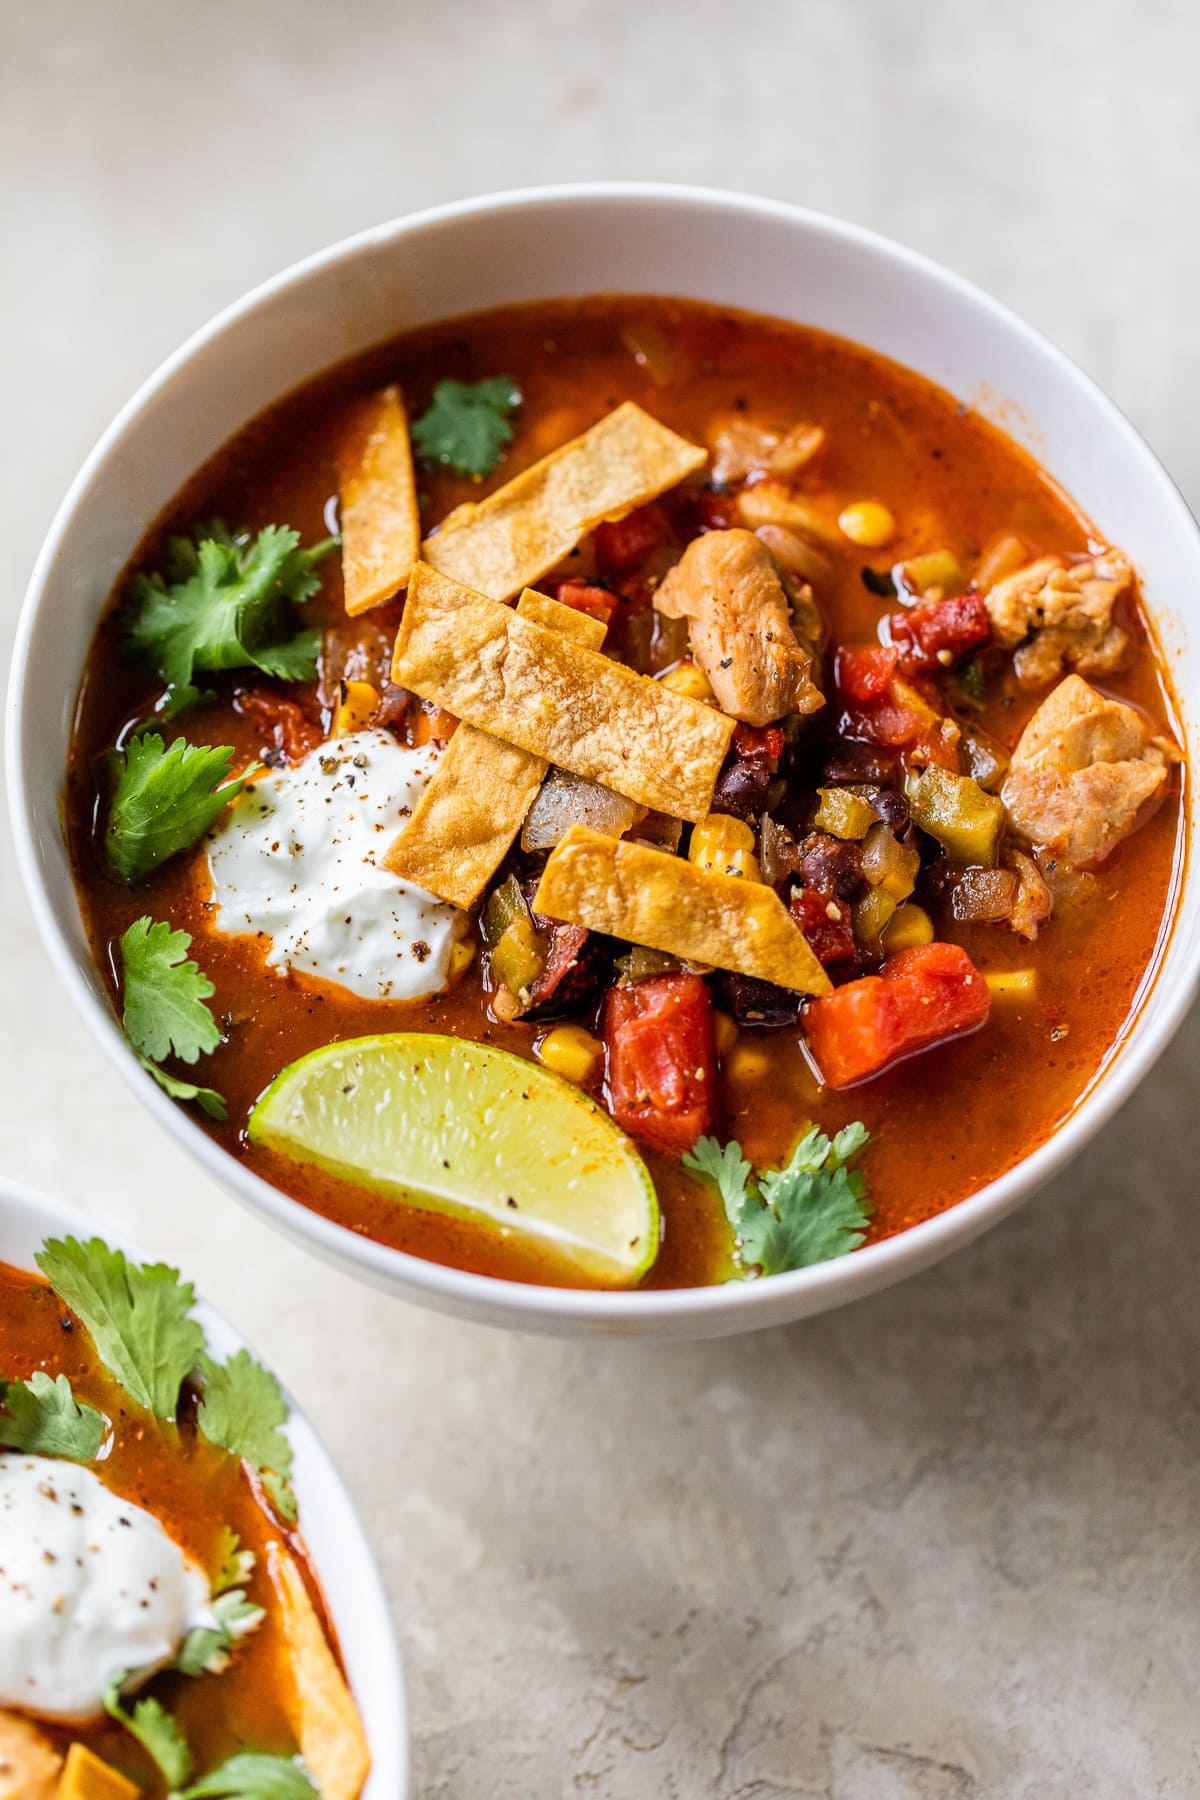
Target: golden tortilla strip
{"x": 630, "y": 891}
{"x": 29, "y": 1763}
{"x": 85, "y": 1777}
{"x": 477, "y": 798}
{"x": 381, "y": 527}
{"x": 504, "y": 543}
{"x": 319, "y": 1705}
{"x": 512, "y": 678}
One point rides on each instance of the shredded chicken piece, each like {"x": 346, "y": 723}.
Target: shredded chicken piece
{"x": 1034, "y": 902}
{"x": 742, "y": 450}
{"x": 1084, "y": 768}
{"x": 1060, "y": 615}
{"x": 729, "y": 589}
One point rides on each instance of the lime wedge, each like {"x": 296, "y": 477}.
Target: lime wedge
{"x": 461, "y": 1128}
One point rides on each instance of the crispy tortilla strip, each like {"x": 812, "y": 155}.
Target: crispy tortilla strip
{"x": 29, "y": 1763}
{"x": 479, "y": 794}
{"x": 511, "y": 677}
{"x": 648, "y": 897}
{"x": 85, "y": 1777}
{"x": 319, "y": 1706}
{"x": 381, "y": 528}
{"x": 509, "y": 540}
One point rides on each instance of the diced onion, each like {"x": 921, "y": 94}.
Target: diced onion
{"x": 564, "y": 800}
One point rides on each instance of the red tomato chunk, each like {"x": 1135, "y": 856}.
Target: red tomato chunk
{"x": 826, "y": 923}
{"x": 586, "y": 597}
{"x": 661, "y": 1059}
{"x": 919, "y": 998}
{"x": 938, "y": 632}
{"x": 623, "y": 544}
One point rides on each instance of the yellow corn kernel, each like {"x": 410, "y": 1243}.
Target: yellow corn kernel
{"x": 867, "y": 522}
{"x": 748, "y": 1062}
{"x": 909, "y": 925}
{"x": 686, "y": 679}
{"x": 570, "y": 1051}
{"x": 462, "y": 956}
{"x": 724, "y": 845}
{"x": 726, "y": 1032}
{"x": 1012, "y": 984}
{"x": 358, "y": 701}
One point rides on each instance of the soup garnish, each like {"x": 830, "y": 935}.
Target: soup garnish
{"x": 742, "y": 730}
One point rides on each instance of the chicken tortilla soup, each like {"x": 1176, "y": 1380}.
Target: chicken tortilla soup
{"x": 616, "y": 792}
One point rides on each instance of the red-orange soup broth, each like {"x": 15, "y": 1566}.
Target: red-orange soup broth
{"x": 943, "y": 1122}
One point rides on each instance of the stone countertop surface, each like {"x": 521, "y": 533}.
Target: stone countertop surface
{"x": 942, "y": 1544}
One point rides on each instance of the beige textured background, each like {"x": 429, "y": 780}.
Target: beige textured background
{"x": 943, "y": 1544}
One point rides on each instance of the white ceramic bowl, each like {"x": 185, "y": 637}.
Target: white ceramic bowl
{"x": 719, "y": 247}
{"x": 352, "y": 1583}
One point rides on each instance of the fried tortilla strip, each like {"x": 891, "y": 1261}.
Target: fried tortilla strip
{"x": 479, "y": 794}
{"x": 381, "y": 528}
{"x": 319, "y": 1706}
{"x": 85, "y": 1777}
{"x": 508, "y": 541}
{"x": 631, "y": 891}
{"x": 29, "y": 1763}
{"x": 512, "y": 678}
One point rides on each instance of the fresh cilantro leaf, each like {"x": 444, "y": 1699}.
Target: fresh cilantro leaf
{"x": 243, "y": 1410}
{"x": 728, "y": 1170}
{"x": 811, "y": 1210}
{"x": 225, "y": 602}
{"x": 281, "y": 1494}
{"x": 207, "y": 1099}
{"x": 971, "y": 678}
{"x": 165, "y": 800}
{"x": 155, "y": 1730}
{"x": 42, "y": 1417}
{"x": 234, "y": 1565}
{"x": 467, "y": 425}
{"x": 207, "y": 1649}
{"x": 253, "y": 1776}
{"x": 135, "y": 1313}
{"x": 164, "y": 1010}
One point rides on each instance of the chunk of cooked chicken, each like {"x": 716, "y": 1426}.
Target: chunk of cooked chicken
{"x": 740, "y": 449}
{"x": 1084, "y": 768}
{"x": 729, "y": 589}
{"x": 29, "y": 1763}
{"x": 1060, "y": 615}
{"x": 1034, "y": 902}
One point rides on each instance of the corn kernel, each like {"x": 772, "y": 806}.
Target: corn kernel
{"x": 358, "y": 701}
{"x": 726, "y": 1033}
{"x": 909, "y": 925}
{"x": 868, "y": 523}
{"x": 748, "y": 1062}
{"x": 686, "y": 679}
{"x": 1012, "y": 984}
{"x": 725, "y": 845}
{"x": 462, "y": 955}
{"x": 571, "y": 1052}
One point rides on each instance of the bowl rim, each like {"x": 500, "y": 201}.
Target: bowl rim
{"x": 389, "y": 1747}
{"x": 730, "y": 1306}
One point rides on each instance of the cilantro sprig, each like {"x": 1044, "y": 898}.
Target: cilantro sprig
{"x": 468, "y": 425}
{"x": 155, "y": 1730}
{"x": 222, "y": 601}
{"x": 810, "y": 1211}
{"x": 164, "y": 801}
{"x": 252, "y": 1775}
{"x": 163, "y": 1007}
{"x": 42, "y": 1417}
{"x": 243, "y": 1410}
{"x": 136, "y": 1314}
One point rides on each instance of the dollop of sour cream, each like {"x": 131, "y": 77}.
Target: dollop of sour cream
{"x": 91, "y": 1587}
{"x": 297, "y": 859}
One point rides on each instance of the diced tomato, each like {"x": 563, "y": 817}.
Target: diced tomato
{"x": 286, "y": 727}
{"x": 826, "y": 923}
{"x": 586, "y": 597}
{"x": 919, "y": 998}
{"x": 864, "y": 673}
{"x": 623, "y": 544}
{"x": 661, "y": 1059}
{"x": 938, "y": 631}
{"x": 761, "y": 742}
